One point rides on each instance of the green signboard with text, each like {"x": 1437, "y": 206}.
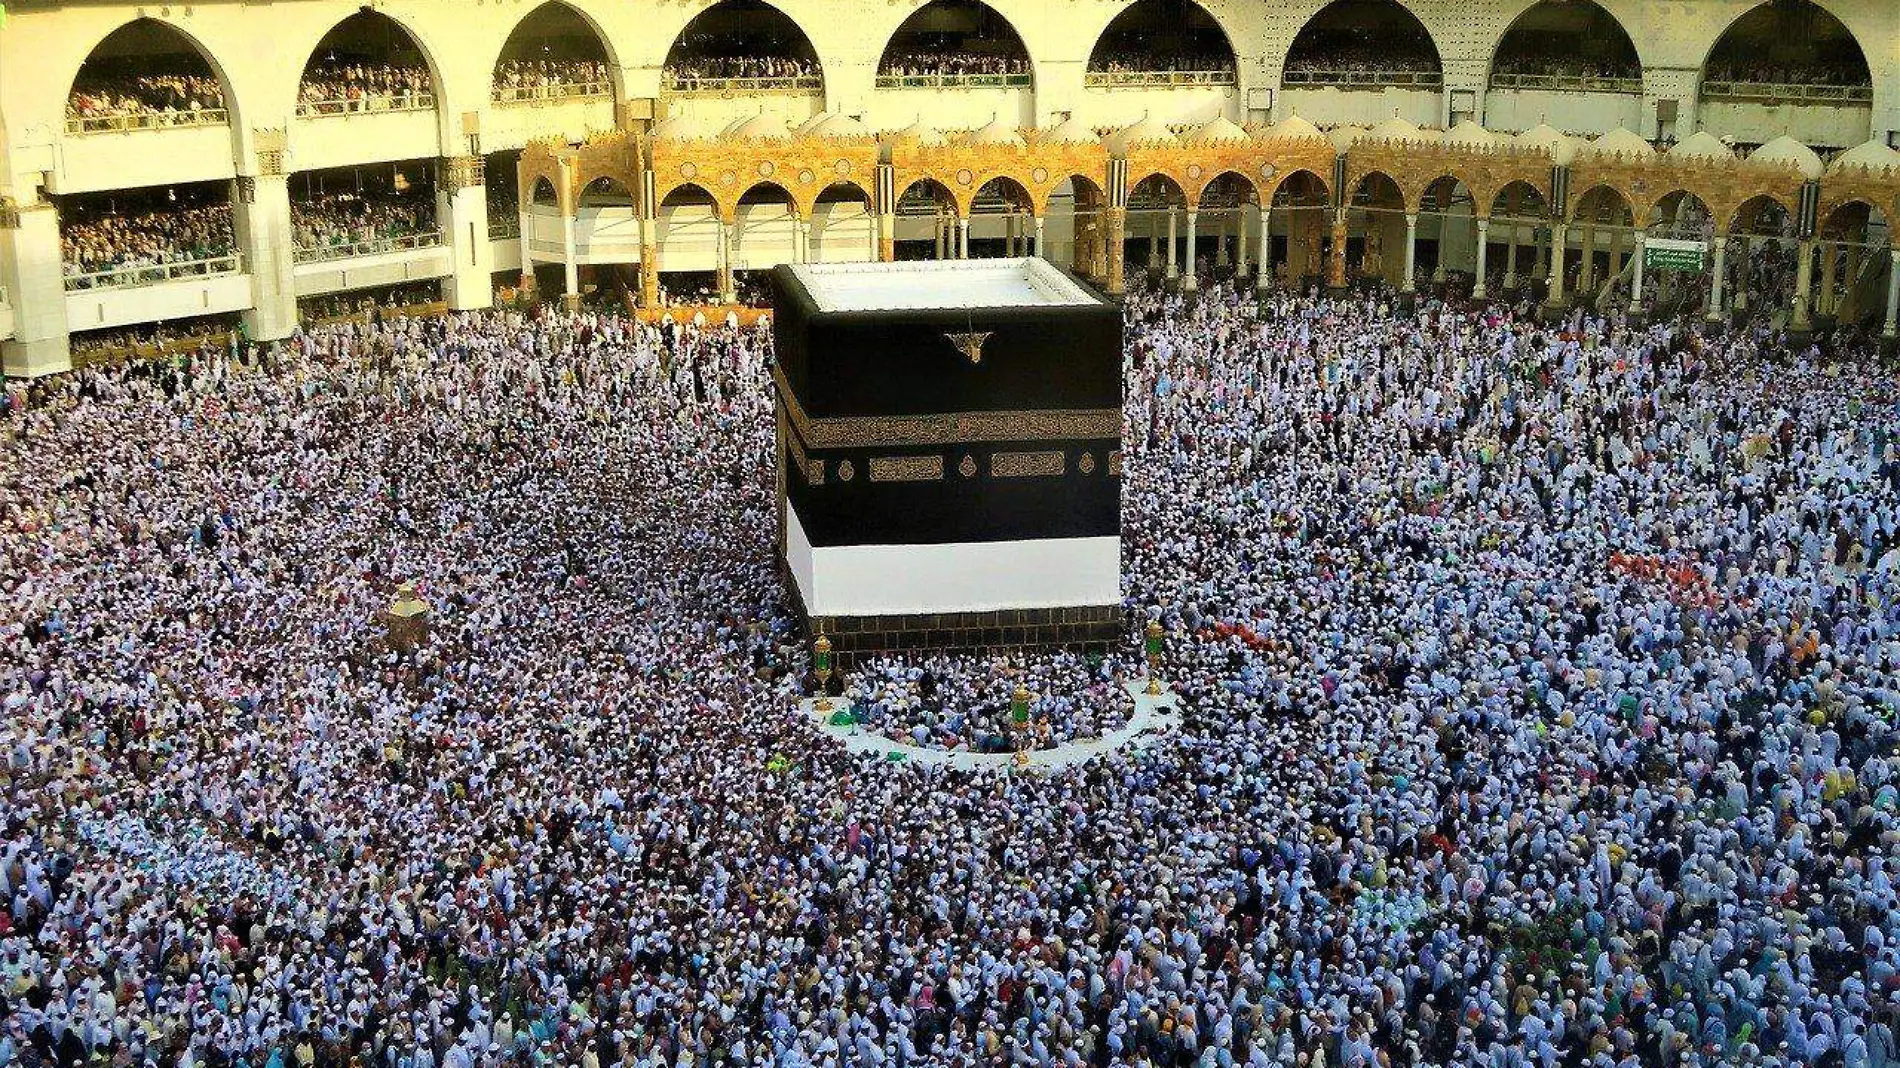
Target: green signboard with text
{"x": 1670, "y": 254}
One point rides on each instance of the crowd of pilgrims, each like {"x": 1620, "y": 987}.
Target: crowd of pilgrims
{"x": 1816, "y": 71}
{"x": 370, "y": 218}
{"x": 1414, "y": 57}
{"x": 966, "y": 703}
{"x": 1567, "y": 65}
{"x": 1138, "y": 60}
{"x": 107, "y": 235}
{"x": 1538, "y": 689}
{"x": 348, "y": 83}
{"x": 550, "y": 73}
{"x": 697, "y": 67}
{"x": 111, "y": 95}
{"x": 949, "y": 63}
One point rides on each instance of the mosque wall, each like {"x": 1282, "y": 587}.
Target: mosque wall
{"x": 258, "y": 52}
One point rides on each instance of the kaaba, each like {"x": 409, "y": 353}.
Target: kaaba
{"x": 949, "y": 454}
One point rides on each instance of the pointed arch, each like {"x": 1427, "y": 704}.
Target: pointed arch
{"x": 914, "y": 196}
{"x": 1603, "y": 205}
{"x": 1085, "y": 193}
{"x": 554, "y": 44}
{"x": 1808, "y": 45}
{"x": 1565, "y": 44}
{"x": 1383, "y": 30}
{"x": 1163, "y": 36}
{"x": 399, "y": 68}
{"x": 1518, "y": 199}
{"x": 1381, "y": 191}
{"x": 955, "y": 37}
{"x": 606, "y": 191}
{"x": 1679, "y": 199}
{"x": 1157, "y": 187}
{"x": 750, "y": 39}
{"x": 1762, "y": 215}
{"x": 769, "y": 192}
{"x": 97, "y": 82}
{"x": 1301, "y": 188}
{"x": 1228, "y": 180}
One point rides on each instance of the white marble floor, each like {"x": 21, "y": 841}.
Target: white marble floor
{"x": 1153, "y": 716}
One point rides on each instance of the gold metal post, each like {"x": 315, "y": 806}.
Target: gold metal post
{"x": 821, "y": 664}
{"x": 1153, "y": 643}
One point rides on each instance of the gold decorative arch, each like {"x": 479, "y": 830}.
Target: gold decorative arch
{"x": 1194, "y": 165}
{"x": 1851, "y": 184}
{"x": 963, "y": 167}
{"x": 1722, "y": 185}
{"x": 726, "y": 168}
{"x": 1415, "y": 164}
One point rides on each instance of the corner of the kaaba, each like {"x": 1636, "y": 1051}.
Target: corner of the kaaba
{"x": 951, "y": 474}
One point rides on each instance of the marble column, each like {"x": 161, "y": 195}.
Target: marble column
{"x": 1825, "y": 305}
{"x": 1189, "y": 279}
{"x": 726, "y": 289}
{"x": 1240, "y": 245}
{"x": 1636, "y": 274}
{"x": 1174, "y": 266}
{"x": 1892, "y": 329}
{"x": 1117, "y": 251}
{"x": 1717, "y": 276}
{"x": 1263, "y": 275}
{"x": 1804, "y": 286}
{"x": 1587, "y": 275}
{"x": 1558, "y": 239}
{"x": 1484, "y": 253}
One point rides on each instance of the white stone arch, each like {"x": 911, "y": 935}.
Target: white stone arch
{"x": 1870, "y": 56}
{"x": 1440, "y": 26}
{"x": 1092, "y": 32}
{"x": 66, "y": 70}
{"x": 1028, "y": 16}
{"x": 802, "y": 26}
{"x": 450, "y": 67}
{"x": 1630, "y": 22}
{"x": 1651, "y": 36}
{"x": 581, "y": 8}
{"x": 641, "y": 34}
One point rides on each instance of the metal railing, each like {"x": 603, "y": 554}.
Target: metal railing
{"x": 555, "y": 93}
{"x": 1788, "y": 93}
{"x": 686, "y": 86}
{"x": 374, "y": 246}
{"x": 146, "y": 120}
{"x": 154, "y": 274}
{"x": 503, "y": 227}
{"x": 1146, "y": 79}
{"x": 1363, "y": 79}
{"x": 365, "y": 105}
{"x": 1572, "y": 83}
{"x": 954, "y": 81}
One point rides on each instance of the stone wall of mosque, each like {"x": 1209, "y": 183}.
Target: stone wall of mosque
{"x": 270, "y": 130}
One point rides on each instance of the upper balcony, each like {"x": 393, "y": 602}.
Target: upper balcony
{"x": 382, "y": 261}
{"x": 145, "y": 108}
{"x": 126, "y": 296}
{"x": 1790, "y": 67}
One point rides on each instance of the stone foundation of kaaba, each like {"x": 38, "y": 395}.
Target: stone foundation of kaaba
{"x": 1093, "y": 629}
{"x": 949, "y": 455}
